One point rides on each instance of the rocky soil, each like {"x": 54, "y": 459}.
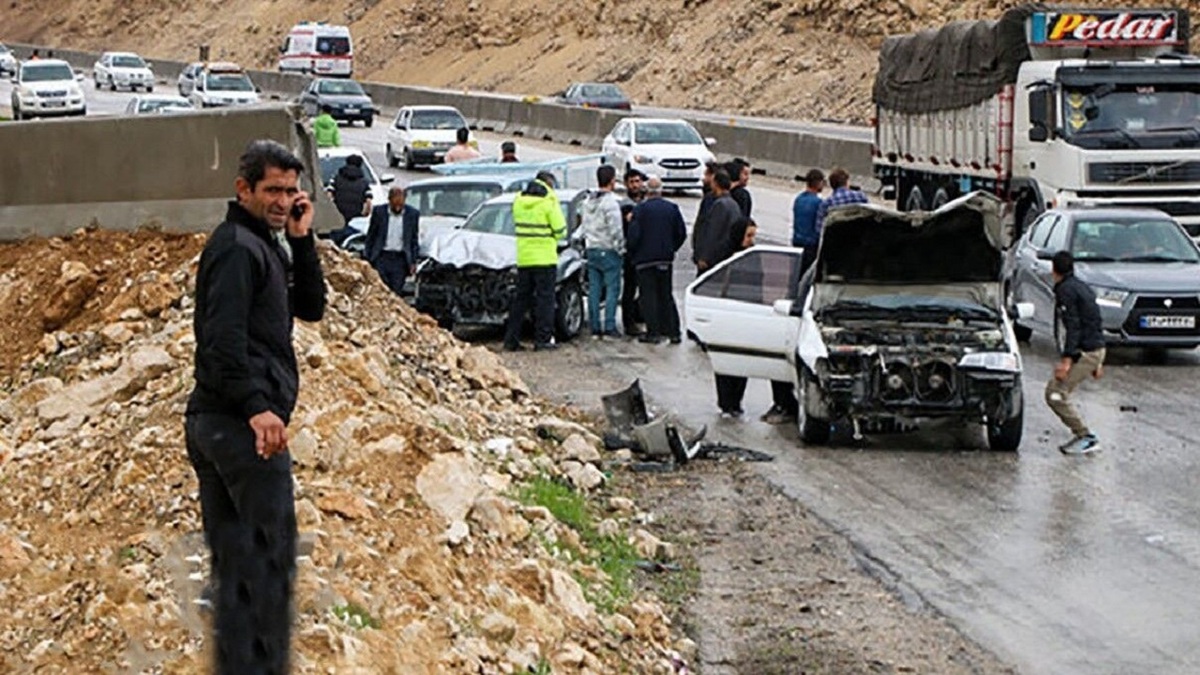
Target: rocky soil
{"x": 806, "y": 59}
{"x": 411, "y": 449}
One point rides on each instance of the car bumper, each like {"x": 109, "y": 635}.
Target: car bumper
{"x": 428, "y": 155}
{"x": 356, "y": 116}
{"x": 1134, "y": 323}
{"x": 674, "y": 178}
{"x": 46, "y": 109}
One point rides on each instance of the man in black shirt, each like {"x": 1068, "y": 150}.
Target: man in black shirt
{"x": 1082, "y": 350}
{"x": 258, "y": 271}
{"x": 739, "y": 172}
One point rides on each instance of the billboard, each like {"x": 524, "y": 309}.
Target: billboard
{"x": 1106, "y": 28}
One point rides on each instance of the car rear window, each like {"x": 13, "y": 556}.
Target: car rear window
{"x": 437, "y": 119}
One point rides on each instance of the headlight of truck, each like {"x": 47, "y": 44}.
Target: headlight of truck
{"x": 1110, "y": 297}
{"x": 421, "y": 144}
{"x": 997, "y": 361}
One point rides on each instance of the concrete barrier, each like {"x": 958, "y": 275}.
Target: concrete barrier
{"x": 787, "y": 154}
{"x": 175, "y": 172}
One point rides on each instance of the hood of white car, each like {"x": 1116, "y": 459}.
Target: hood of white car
{"x": 672, "y": 150}
{"x": 69, "y": 86}
{"x": 119, "y": 71}
{"x": 961, "y": 242}
{"x": 460, "y": 248}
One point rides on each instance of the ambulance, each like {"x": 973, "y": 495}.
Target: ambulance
{"x": 317, "y": 49}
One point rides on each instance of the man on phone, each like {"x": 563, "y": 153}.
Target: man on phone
{"x": 258, "y": 271}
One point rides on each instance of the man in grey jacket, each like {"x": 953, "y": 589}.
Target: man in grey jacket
{"x": 604, "y": 232}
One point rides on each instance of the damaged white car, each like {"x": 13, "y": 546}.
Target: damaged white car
{"x": 902, "y": 318}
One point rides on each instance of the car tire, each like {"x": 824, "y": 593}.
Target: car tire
{"x": 368, "y": 122}
{"x": 1023, "y": 333}
{"x": 568, "y": 311}
{"x": 392, "y": 160}
{"x": 149, "y": 89}
{"x": 915, "y": 200}
{"x": 409, "y": 162}
{"x": 96, "y": 80}
{"x": 940, "y": 199}
{"x": 1006, "y": 436}
{"x": 813, "y": 430}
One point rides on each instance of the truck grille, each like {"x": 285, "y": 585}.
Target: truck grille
{"x": 52, "y": 94}
{"x": 679, "y": 163}
{"x": 1130, "y": 173}
{"x": 1176, "y": 209}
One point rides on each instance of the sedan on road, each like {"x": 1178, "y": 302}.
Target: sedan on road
{"x": 595, "y": 95}
{"x": 346, "y": 99}
{"x": 1142, "y": 265}
{"x": 672, "y": 149}
{"x": 122, "y": 69}
{"x": 163, "y": 104}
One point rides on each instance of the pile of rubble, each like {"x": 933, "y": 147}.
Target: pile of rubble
{"x": 409, "y": 448}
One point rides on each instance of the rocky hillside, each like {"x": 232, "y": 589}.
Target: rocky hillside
{"x": 425, "y": 471}
{"x": 806, "y": 59}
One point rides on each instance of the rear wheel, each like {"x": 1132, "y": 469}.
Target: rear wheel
{"x": 568, "y": 312}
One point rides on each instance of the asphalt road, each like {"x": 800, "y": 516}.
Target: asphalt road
{"x": 1059, "y": 564}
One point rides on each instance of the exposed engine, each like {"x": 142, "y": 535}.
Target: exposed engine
{"x": 470, "y": 294}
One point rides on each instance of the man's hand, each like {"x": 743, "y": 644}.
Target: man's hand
{"x": 300, "y": 227}
{"x": 1098, "y": 372}
{"x": 701, "y": 265}
{"x": 412, "y": 270}
{"x": 1063, "y": 369}
{"x": 270, "y": 433}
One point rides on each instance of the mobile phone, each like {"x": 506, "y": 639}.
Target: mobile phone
{"x": 298, "y": 211}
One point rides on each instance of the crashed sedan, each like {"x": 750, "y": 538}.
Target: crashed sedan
{"x": 902, "y": 318}
{"x": 470, "y": 273}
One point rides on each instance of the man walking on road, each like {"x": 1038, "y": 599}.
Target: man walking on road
{"x": 631, "y": 309}
{"x": 351, "y": 192}
{"x": 604, "y": 233}
{"x": 392, "y": 239}
{"x": 1082, "y": 352}
{"x": 325, "y": 129}
{"x": 655, "y": 235}
{"x": 539, "y": 226}
{"x": 839, "y": 182}
{"x": 462, "y": 150}
{"x": 258, "y": 271}
{"x": 806, "y": 233}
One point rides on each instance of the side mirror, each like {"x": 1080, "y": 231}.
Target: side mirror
{"x": 710, "y": 141}
{"x": 782, "y": 307}
{"x": 1045, "y": 254}
{"x": 387, "y": 178}
{"x": 1024, "y": 310}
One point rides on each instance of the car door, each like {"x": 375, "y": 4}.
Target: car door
{"x": 615, "y": 148}
{"x": 1025, "y": 264}
{"x": 730, "y": 312}
{"x": 1041, "y": 279}
{"x": 308, "y": 100}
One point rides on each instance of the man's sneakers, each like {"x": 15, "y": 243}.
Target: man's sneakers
{"x": 1081, "y": 445}
{"x": 777, "y": 415}
{"x": 732, "y": 414}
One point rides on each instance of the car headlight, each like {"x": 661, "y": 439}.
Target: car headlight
{"x": 1110, "y": 297}
{"x": 421, "y": 144}
{"x": 643, "y": 159}
{"x": 999, "y": 361}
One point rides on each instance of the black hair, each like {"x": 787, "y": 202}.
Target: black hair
{"x": 1064, "y": 263}
{"x": 508, "y": 146}
{"x": 326, "y": 108}
{"x": 633, "y": 173}
{"x": 721, "y": 179}
{"x": 354, "y": 160}
{"x": 264, "y": 153}
{"x": 814, "y": 178}
{"x": 463, "y": 134}
{"x": 733, "y": 169}
{"x": 605, "y": 175}
{"x": 547, "y": 178}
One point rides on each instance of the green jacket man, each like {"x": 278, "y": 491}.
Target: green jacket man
{"x": 325, "y": 129}
{"x": 539, "y": 221}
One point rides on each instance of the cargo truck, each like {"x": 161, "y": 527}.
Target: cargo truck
{"x": 1046, "y": 107}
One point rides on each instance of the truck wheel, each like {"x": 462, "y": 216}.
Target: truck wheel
{"x": 940, "y": 199}
{"x": 568, "y": 312}
{"x": 915, "y": 201}
{"x": 813, "y": 430}
{"x": 1006, "y": 436}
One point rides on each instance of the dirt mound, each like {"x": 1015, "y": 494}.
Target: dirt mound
{"x": 809, "y": 59}
{"x": 423, "y": 547}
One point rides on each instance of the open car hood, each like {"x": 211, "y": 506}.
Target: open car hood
{"x": 962, "y": 242}
{"x": 460, "y": 248}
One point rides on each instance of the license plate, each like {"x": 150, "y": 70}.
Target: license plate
{"x": 679, "y": 174}
{"x": 55, "y": 104}
{"x": 351, "y": 111}
{"x": 1168, "y": 322}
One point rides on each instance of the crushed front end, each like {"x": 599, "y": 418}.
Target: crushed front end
{"x": 470, "y": 294}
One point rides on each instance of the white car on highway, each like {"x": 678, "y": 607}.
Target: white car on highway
{"x": 8, "y": 61}
{"x": 421, "y": 134}
{"x": 672, "y": 149}
{"x": 45, "y": 88}
{"x": 122, "y": 69}
{"x": 222, "y": 84}
{"x": 161, "y": 104}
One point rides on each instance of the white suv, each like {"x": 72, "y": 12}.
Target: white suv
{"x": 421, "y": 134}
{"x": 44, "y": 88}
{"x": 122, "y": 69}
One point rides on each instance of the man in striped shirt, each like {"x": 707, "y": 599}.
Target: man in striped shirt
{"x": 839, "y": 182}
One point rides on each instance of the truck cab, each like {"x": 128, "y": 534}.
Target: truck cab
{"x": 317, "y": 49}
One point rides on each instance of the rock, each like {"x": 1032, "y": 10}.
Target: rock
{"x": 13, "y": 556}
{"x": 687, "y": 648}
{"x": 484, "y": 369}
{"x": 139, "y": 368}
{"x": 498, "y": 627}
{"x": 156, "y": 293}
{"x": 427, "y": 388}
{"x": 500, "y": 447}
{"x": 317, "y": 355}
{"x": 307, "y": 514}
{"x": 568, "y": 594}
{"x": 76, "y": 284}
{"x": 608, "y": 528}
{"x": 650, "y": 546}
{"x": 577, "y": 448}
{"x": 585, "y": 477}
{"x": 304, "y": 447}
{"x": 457, "y": 533}
{"x": 24, "y": 400}
{"x": 449, "y": 484}
{"x": 116, "y": 333}
{"x": 495, "y": 516}
{"x": 49, "y": 345}
{"x": 621, "y": 506}
{"x": 560, "y": 430}
{"x": 570, "y": 655}
{"x": 345, "y": 504}
{"x": 621, "y": 625}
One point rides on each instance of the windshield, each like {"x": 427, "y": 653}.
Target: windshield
{"x": 1132, "y": 240}
{"x": 333, "y": 46}
{"x": 451, "y": 200}
{"x": 600, "y": 91}
{"x": 151, "y": 105}
{"x": 340, "y": 88}
{"x": 497, "y": 219}
{"x": 48, "y": 73}
{"x": 437, "y": 119}
{"x": 228, "y": 82}
{"x": 910, "y": 307}
{"x": 331, "y": 165}
{"x": 675, "y": 133}
{"x": 1129, "y": 116}
{"x": 128, "y": 62}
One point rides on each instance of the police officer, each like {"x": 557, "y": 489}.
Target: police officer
{"x": 539, "y": 226}
{"x": 258, "y": 271}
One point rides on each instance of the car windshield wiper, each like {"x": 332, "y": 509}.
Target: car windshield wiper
{"x": 1113, "y": 130}
{"x": 1191, "y": 131}
{"x": 1156, "y": 258}
{"x": 1084, "y": 257}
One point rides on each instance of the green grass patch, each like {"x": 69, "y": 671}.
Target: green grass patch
{"x": 356, "y": 615}
{"x": 615, "y": 556}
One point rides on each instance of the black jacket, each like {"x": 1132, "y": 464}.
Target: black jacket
{"x": 721, "y": 235}
{"x": 656, "y": 233}
{"x": 742, "y": 196}
{"x": 377, "y": 232}
{"x": 246, "y": 296}
{"x": 350, "y": 191}
{"x": 1075, "y": 305}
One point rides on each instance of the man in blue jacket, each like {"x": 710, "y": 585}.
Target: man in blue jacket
{"x": 655, "y": 234}
{"x": 392, "y": 239}
{"x": 806, "y": 232}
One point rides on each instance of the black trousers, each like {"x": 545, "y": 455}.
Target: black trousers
{"x": 393, "y": 269}
{"x": 657, "y": 301}
{"x": 535, "y": 287}
{"x": 731, "y": 389}
{"x": 631, "y": 311}
{"x": 250, "y": 525}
